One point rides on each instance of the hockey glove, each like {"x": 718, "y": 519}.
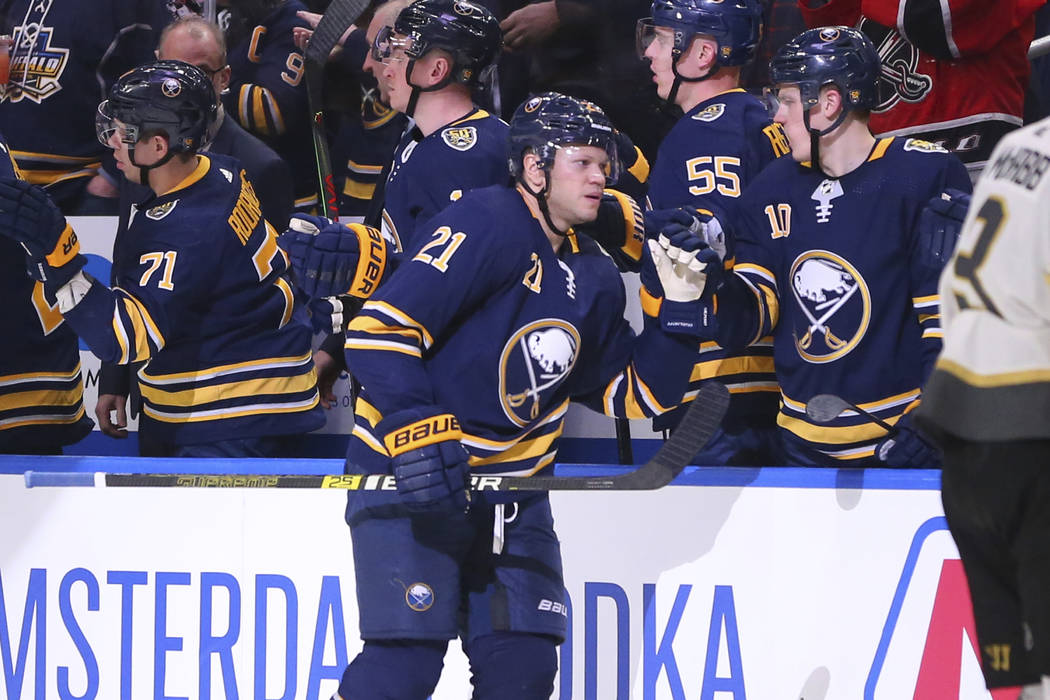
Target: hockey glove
{"x": 632, "y": 161}
{"x": 329, "y": 258}
{"x": 907, "y": 448}
{"x": 29, "y": 217}
{"x": 939, "y": 225}
{"x": 329, "y": 315}
{"x": 430, "y": 466}
{"x": 619, "y": 229}
{"x": 686, "y": 268}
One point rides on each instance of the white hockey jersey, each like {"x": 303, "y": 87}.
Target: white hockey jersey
{"x": 992, "y": 379}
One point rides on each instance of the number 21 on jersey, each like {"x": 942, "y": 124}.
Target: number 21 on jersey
{"x": 443, "y": 247}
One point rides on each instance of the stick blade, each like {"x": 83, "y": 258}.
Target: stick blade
{"x": 336, "y": 20}
{"x": 824, "y": 408}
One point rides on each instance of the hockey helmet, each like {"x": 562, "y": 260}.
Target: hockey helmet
{"x": 171, "y": 97}
{"x": 735, "y": 24}
{"x": 467, "y": 30}
{"x": 545, "y": 122}
{"x": 839, "y": 56}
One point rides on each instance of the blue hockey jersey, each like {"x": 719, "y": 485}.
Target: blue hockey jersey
{"x": 41, "y": 390}
{"x": 66, "y": 55}
{"x": 707, "y": 160}
{"x": 202, "y": 294}
{"x": 429, "y": 173}
{"x": 485, "y": 320}
{"x": 833, "y": 268}
{"x": 267, "y": 95}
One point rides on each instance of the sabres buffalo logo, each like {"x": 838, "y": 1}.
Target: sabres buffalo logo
{"x": 835, "y": 304}
{"x": 170, "y": 87}
{"x": 461, "y": 138}
{"x": 829, "y": 34}
{"x": 419, "y": 597}
{"x": 534, "y": 362}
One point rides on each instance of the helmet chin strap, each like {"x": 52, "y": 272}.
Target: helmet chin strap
{"x": 541, "y": 202}
{"x": 814, "y": 138}
{"x": 410, "y": 110}
{"x": 679, "y": 78}
{"x": 144, "y": 169}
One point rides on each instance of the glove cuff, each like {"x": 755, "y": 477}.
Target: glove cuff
{"x": 696, "y": 318}
{"x": 371, "y": 264}
{"x": 66, "y": 248}
{"x": 414, "y": 428}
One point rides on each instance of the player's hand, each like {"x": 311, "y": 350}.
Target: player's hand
{"x": 684, "y": 263}
{"x": 939, "y": 226}
{"x": 105, "y": 407}
{"x": 327, "y": 372}
{"x": 29, "y": 217}
{"x": 530, "y": 25}
{"x": 907, "y": 448}
{"x": 327, "y": 258}
{"x": 330, "y": 315}
{"x": 301, "y": 35}
{"x": 430, "y": 465}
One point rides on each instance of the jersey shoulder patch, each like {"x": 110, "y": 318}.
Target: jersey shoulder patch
{"x": 161, "y": 210}
{"x": 460, "y": 138}
{"x": 710, "y": 113}
{"x": 924, "y": 146}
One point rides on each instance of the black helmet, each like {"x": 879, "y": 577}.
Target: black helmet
{"x": 549, "y": 120}
{"x": 171, "y": 97}
{"x": 467, "y": 30}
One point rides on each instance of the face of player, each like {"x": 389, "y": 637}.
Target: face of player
{"x": 395, "y": 72}
{"x": 147, "y": 151}
{"x": 380, "y": 21}
{"x": 577, "y": 179}
{"x": 789, "y": 115}
{"x": 660, "y": 63}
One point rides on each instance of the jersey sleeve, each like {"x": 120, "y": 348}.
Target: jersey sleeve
{"x": 456, "y": 266}
{"x": 274, "y": 100}
{"x": 924, "y": 276}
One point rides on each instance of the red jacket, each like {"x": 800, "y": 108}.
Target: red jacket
{"x": 957, "y": 78}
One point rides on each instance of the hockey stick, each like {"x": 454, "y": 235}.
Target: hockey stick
{"x": 335, "y": 21}
{"x": 824, "y": 408}
{"x": 698, "y": 425}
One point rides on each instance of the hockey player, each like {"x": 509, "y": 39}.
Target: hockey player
{"x": 267, "y": 91}
{"x": 432, "y": 56}
{"x": 201, "y": 291}
{"x": 986, "y": 404}
{"x": 66, "y": 54}
{"x": 41, "y": 389}
{"x": 833, "y": 261}
{"x": 696, "y": 49}
{"x": 487, "y": 333}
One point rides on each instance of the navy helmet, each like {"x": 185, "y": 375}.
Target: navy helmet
{"x": 547, "y": 121}
{"x": 839, "y": 56}
{"x": 735, "y": 24}
{"x": 467, "y": 30}
{"x": 170, "y": 97}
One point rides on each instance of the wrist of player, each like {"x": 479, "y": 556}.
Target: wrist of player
{"x": 429, "y": 464}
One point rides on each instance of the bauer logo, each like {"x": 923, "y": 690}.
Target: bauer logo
{"x": 928, "y": 646}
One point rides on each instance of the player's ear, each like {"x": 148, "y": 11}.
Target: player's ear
{"x": 704, "y": 52}
{"x": 223, "y": 76}
{"x": 830, "y": 101}
{"x": 441, "y": 67}
{"x": 535, "y": 176}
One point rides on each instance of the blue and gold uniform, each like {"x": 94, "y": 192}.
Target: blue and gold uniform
{"x": 484, "y": 319}
{"x": 832, "y": 268}
{"x": 430, "y": 172}
{"x": 201, "y": 292}
{"x": 267, "y": 95}
{"x": 707, "y": 160}
{"x": 41, "y": 390}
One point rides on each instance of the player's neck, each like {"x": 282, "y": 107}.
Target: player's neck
{"x": 168, "y": 176}
{"x": 846, "y": 149}
{"x": 553, "y": 238}
{"x": 692, "y": 94}
{"x": 436, "y": 109}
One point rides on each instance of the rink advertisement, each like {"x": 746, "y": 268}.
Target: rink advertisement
{"x": 761, "y": 584}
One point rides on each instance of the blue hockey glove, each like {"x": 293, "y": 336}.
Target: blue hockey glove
{"x": 29, "y": 217}
{"x": 907, "y": 448}
{"x": 689, "y": 272}
{"x": 330, "y": 315}
{"x": 657, "y": 219}
{"x": 430, "y": 466}
{"x": 939, "y": 225}
{"x": 631, "y": 158}
{"x": 327, "y": 258}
